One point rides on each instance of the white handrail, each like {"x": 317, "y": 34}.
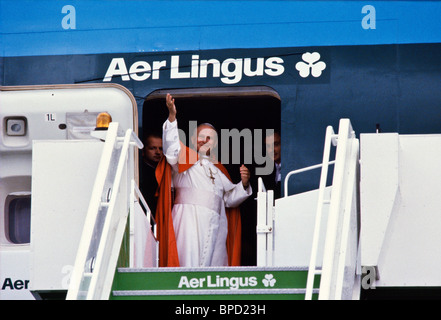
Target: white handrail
{"x": 77, "y": 275}
{"x": 341, "y": 213}
{"x": 146, "y": 206}
{"x": 149, "y": 217}
{"x": 262, "y": 207}
{"x": 343, "y": 188}
{"x": 132, "y": 224}
{"x": 110, "y": 242}
{"x": 260, "y": 185}
{"x": 265, "y": 225}
{"x": 294, "y": 172}
{"x": 318, "y": 218}
{"x": 106, "y": 219}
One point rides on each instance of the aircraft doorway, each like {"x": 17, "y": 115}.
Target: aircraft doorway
{"x": 247, "y": 109}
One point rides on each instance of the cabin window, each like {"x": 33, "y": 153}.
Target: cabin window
{"x": 18, "y": 219}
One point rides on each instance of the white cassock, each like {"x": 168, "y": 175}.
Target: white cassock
{"x": 199, "y": 218}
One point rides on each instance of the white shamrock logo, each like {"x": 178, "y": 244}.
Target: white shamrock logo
{"x": 312, "y": 66}
{"x": 269, "y": 280}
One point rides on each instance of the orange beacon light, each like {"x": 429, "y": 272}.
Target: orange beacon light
{"x": 102, "y": 121}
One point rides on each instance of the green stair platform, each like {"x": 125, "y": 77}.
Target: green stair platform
{"x": 225, "y": 283}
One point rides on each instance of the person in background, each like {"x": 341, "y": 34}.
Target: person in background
{"x": 273, "y": 149}
{"x": 151, "y": 155}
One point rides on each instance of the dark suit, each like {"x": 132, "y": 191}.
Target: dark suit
{"x": 148, "y": 185}
{"x": 271, "y": 184}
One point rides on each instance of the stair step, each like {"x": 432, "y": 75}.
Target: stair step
{"x": 211, "y": 283}
{"x": 221, "y": 294}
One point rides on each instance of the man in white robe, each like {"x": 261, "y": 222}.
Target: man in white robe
{"x": 201, "y": 194}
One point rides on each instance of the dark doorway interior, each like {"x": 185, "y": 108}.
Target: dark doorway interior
{"x": 225, "y": 108}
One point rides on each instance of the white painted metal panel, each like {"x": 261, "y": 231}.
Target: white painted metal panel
{"x": 379, "y": 191}
{"x": 410, "y": 254}
{"x": 62, "y": 181}
{"x": 294, "y": 229}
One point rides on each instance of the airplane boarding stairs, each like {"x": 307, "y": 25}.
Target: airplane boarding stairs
{"x": 307, "y": 243}
{"x": 373, "y": 227}
{"x": 319, "y": 228}
{"x": 283, "y": 270}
